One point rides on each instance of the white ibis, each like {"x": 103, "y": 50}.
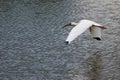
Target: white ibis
{"x": 81, "y": 27}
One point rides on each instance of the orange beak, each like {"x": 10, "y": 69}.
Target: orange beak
{"x": 69, "y": 24}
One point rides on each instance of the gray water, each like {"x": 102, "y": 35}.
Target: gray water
{"x": 32, "y": 40}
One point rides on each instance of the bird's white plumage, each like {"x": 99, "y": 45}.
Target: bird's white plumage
{"x": 82, "y": 26}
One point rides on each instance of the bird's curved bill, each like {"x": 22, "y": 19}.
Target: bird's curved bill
{"x": 64, "y": 26}
{"x": 69, "y": 24}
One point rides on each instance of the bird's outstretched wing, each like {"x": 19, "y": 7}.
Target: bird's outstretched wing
{"x": 77, "y": 30}
{"x": 95, "y": 32}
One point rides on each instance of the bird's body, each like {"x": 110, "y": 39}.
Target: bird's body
{"x": 81, "y": 27}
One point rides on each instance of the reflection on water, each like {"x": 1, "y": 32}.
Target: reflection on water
{"x": 32, "y": 40}
{"x": 95, "y": 66}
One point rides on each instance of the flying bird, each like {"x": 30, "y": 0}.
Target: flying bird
{"x": 82, "y": 26}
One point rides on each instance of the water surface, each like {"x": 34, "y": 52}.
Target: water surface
{"x": 32, "y": 40}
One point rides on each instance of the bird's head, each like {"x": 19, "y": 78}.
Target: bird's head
{"x": 70, "y": 24}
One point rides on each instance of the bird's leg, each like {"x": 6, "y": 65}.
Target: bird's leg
{"x": 102, "y": 27}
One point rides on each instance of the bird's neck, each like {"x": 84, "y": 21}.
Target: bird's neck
{"x": 74, "y": 23}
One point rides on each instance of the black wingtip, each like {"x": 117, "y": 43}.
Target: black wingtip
{"x": 97, "y": 38}
{"x": 66, "y": 42}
